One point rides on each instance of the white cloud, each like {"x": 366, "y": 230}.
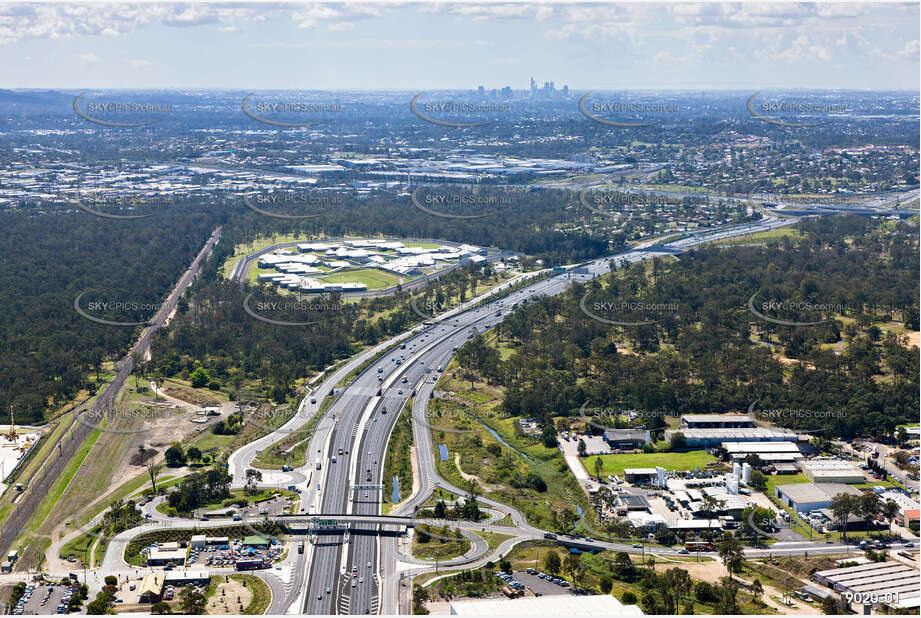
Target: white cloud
{"x": 309, "y": 15}
{"x": 911, "y": 50}
{"x": 37, "y": 21}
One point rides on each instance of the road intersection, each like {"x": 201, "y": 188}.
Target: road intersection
{"x": 362, "y": 571}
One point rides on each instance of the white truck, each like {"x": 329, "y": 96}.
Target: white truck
{"x": 317, "y": 461}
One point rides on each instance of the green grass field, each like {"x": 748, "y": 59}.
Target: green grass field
{"x": 494, "y": 539}
{"x": 251, "y": 247}
{"x": 262, "y": 595}
{"x": 783, "y": 479}
{"x": 371, "y": 277}
{"x": 63, "y": 481}
{"x": 759, "y": 237}
{"x": 439, "y": 547}
{"x": 615, "y": 464}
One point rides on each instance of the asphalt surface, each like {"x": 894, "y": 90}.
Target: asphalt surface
{"x": 362, "y": 431}
{"x": 355, "y": 423}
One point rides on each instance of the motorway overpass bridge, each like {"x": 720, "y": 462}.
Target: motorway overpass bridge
{"x": 314, "y": 526}
{"x": 328, "y": 519}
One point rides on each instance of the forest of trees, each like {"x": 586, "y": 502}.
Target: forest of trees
{"x": 214, "y": 332}
{"x": 709, "y": 354}
{"x": 520, "y": 221}
{"x": 51, "y": 353}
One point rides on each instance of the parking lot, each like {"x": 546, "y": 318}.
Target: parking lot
{"x": 43, "y": 599}
{"x": 270, "y": 508}
{"x": 217, "y": 556}
{"x": 540, "y": 587}
{"x": 594, "y": 445}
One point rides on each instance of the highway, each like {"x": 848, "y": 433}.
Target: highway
{"x": 355, "y": 423}
{"x": 355, "y": 431}
{"x": 360, "y": 429}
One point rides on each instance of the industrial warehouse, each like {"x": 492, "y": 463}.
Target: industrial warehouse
{"x": 874, "y": 584}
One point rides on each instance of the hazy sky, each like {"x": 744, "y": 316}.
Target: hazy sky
{"x": 446, "y": 45}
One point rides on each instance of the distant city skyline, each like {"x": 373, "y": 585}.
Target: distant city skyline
{"x": 461, "y": 46}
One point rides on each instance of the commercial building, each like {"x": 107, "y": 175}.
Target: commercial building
{"x": 256, "y": 542}
{"x": 712, "y": 421}
{"x": 633, "y": 502}
{"x": 626, "y": 439}
{"x": 785, "y": 468}
{"x": 819, "y": 594}
{"x": 696, "y": 525}
{"x": 642, "y": 520}
{"x": 707, "y": 438}
{"x": 806, "y": 497}
{"x": 769, "y": 453}
{"x": 550, "y": 605}
{"x": 151, "y": 589}
{"x": 641, "y": 476}
{"x": 197, "y": 577}
{"x": 198, "y": 541}
{"x": 161, "y": 556}
{"x": 890, "y": 583}
{"x": 724, "y": 504}
{"x": 831, "y": 471}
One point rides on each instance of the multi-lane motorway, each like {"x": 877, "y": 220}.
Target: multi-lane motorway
{"x": 357, "y": 573}
{"x": 345, "y": 577}
{"x": 363, "y": 421}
